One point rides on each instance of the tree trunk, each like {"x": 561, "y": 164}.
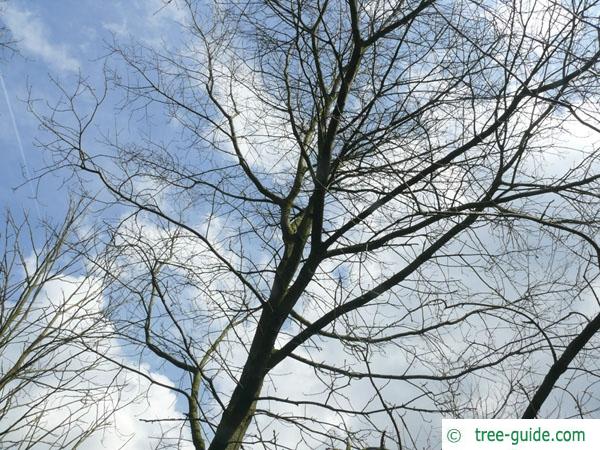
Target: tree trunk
{"x": 238, "y": 437}
{"x": 238, "y": 414}
{"x": 559, "y": 367}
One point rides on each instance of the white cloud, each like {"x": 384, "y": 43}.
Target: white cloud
{"x": 138, "y": 425}
{"x": 75, "y": 401}
{"x": 153, "y": 21}
{"x": 32, "y": 37}
{"x": 120, "y": 29}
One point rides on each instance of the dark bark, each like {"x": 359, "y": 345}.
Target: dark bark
{"x": 559, "y": 367}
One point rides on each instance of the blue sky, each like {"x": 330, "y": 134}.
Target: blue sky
{"x": 60, "y": 40}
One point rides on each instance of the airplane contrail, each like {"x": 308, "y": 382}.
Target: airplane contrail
{"x": 19, "y": 143}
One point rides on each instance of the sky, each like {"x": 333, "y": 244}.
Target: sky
{"x": 57, "y": 42}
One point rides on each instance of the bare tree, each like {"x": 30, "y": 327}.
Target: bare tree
{"x": 333, "y": 219}
{"x": 54, "y": 392}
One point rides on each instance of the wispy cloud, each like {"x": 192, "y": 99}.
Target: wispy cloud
{"x": 154, "y": 20}
{"x": 32, "y": 37}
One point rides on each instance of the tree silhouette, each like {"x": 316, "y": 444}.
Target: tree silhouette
{"x": 332, "y": 219}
